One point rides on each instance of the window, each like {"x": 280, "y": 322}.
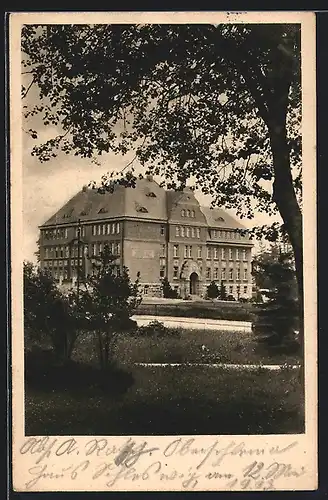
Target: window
{"x": 223, "y": 234}
{"x": 189, "y": 251}
{"x": 56, "y": 252}
{"x": 238, "y": 273}
{"x": 65, "y": 233}
{"x": 162, "y": 250}
{"x": 94, "y": 230}
{"x": 46, "y": 253}
{"x": 223, "y": 253}
{"x": 198, "y": 232}
{"x": 245, "y": 273}
{"x": 230, "y": 273}
{"x": 214, "y": 234}
{"x": 183, "y": 213}
{"x": 103, "y": 229}
{"x": 216, "y": 273}
{"x": 231, "y": 289}
{"x": 162, "y": 231}
{"x": 199, "y": 252}
{"x": 182, "y": 231}
{"x": 103, "y": 210}
{"x": 216, "y": 253}
{"x": 113, "y": 228}
{"x": 193, "y": 213}
{"x": 176, "y": 251}
{"x": 100, "y": 247}
{"x": 208, "y": 252}
{"x": 142, "y": 210}
{"x": 208, "y": 273}
{"x": 193, "y": 232}
{"x": 244, "y": 254}
{"x": 99, "y": 229}
{"x": 176, "y": 272}
{"x": 188, "y": 213}
{"x": 187, "y": 232}
{"x": 162, "y": 272}
{"x": 230, "y": 253}
{"x": 177, "y": 231}
{"x": 94, "y": 248}
{"x": 237, "y": 253}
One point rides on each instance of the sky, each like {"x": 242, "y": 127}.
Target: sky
{"x": 47, "y": 186}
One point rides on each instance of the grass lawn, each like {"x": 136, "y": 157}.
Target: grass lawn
{"x": 202, "y": 309}
{"x": 79, "y": 399}
{"x": 186, "y": 347}
{"x": 172, "y": 400}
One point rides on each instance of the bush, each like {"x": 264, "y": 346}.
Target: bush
{"x": 44, "y": 372}
{"x": 212, "y": 291}
{"x": 157, "y": 329}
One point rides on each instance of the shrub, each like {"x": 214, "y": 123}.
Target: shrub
{"x": 212, "y": 291}
{"x": 43, "y": 371}
{"x": 168, "y": 291}
{"x": 157, "y": 329}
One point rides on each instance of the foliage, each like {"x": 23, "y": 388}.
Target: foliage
{"x": 157, "y": 329}
{"x": 108, "y": 301}
{"x": 223, "y": 291}
{"x": 168, "y": 291}
{"x": 220, "y": 104}
{"x": 42, "y": 372}
{"x": 212, "y": 290}
{"x": 278, "y": 318}
{"x": 48, "y": 314}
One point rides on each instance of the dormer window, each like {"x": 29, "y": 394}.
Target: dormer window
{"x": 183, "y": 213}
{"x": 220, "y": 219}
{"x": 141, "y": 209}
{"x": 151, "y": 195}
{"x": 188, "y": 213}
{"x": 68, "y": 214}
{"x": 103, "y": 210}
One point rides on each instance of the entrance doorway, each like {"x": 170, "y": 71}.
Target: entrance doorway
{"x": 193, "y": 284}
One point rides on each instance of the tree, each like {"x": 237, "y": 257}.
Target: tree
{"x": 168, "y": 292}
{"x": 48, "y": 314}
{"x": 108, "y": 301}
{"x": 277, "y": 319}
{"x": 223, "y": 292}
{"x": 217, "y": 103}
{"x": 212, "y": 290}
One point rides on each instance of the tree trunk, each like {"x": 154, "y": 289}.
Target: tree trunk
{"x": 285, "y": 198}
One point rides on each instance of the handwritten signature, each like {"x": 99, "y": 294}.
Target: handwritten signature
{"x": 102, "y": 460}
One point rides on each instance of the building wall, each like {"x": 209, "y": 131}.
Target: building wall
{"x": 156, "y": 248}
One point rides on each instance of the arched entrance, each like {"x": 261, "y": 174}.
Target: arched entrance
{"x": 193, "y": 284}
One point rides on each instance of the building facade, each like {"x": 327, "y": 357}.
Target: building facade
{"x": 155, "y": 232}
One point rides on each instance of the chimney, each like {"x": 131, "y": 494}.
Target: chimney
{"x": 85, "y": 187}
{"x": 149, "y": 178}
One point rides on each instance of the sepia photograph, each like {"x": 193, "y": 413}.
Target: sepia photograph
{"x": 162, "y": 251}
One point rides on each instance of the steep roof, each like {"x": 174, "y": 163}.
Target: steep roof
{"x": 218, "y": 218}
{"x": 146, "y": 200}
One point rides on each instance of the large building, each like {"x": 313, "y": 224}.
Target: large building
{"x": 156, "y": 232}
